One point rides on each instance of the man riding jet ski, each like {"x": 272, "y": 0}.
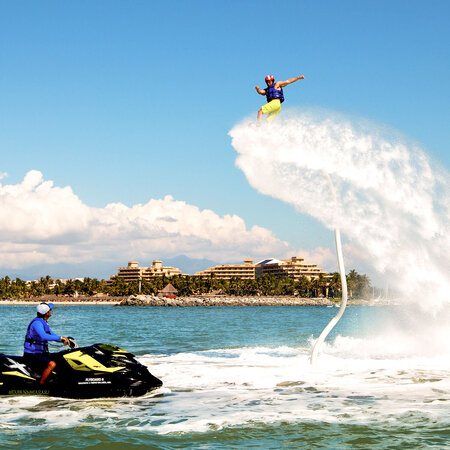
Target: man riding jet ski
{"x": 97, "y": 371}
{"x": 38, "y": 335}
{"x": 101, "y": 370}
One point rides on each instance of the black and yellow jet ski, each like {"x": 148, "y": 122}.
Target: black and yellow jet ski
{"x": 97, "y": 371}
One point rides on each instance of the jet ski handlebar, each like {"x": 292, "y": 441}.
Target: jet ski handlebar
{"x": 72, "y": 342}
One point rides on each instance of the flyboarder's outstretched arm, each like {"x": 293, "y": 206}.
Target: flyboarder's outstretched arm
{"x": 282, "y": 84}
{"x": 260, "y": 91}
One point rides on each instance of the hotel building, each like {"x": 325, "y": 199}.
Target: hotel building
{"x": 293, "y": 268}
{"x": 135, "y": 273}
{"x": 244, "y": 271}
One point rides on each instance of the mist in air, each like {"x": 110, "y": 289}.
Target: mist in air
{"x": 392, "y": 201}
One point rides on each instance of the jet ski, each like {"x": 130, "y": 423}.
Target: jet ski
{"x": 97, "y": 371}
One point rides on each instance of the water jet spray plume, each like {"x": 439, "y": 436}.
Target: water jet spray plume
{"x": 396, "y": 200}
{"x": 340, "y": 257}
{"x": 335, "y": 319}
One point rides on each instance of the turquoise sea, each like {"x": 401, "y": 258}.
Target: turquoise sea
{"x": 241, "y": 377}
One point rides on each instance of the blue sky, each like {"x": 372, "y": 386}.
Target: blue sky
{"x": 131, "y": 101}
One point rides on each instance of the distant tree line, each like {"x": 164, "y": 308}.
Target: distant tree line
{"x": 268, "y": 285}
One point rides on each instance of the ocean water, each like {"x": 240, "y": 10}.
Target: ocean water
{"x": 241, "y": 377}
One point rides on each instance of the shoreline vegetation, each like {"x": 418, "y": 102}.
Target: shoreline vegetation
{"x": 207, "y": 300}
{"x": 267, "y": 290}
{"x": 188, "y": 286}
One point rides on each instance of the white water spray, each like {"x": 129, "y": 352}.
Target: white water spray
{"x": 335, "y": 319}
{"x": 340, "y": 257}
{"x": 393, "y": 202}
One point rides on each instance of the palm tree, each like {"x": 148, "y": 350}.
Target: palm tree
{"x": 352, "y": 282}
{"x": 303, "y": 286}
{"x": 335, "y": 284}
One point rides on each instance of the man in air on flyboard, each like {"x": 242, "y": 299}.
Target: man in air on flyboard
{"x": 274, "y": 95}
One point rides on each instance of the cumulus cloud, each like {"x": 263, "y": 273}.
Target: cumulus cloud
{"x": 322, "y": 256}
{"x": 44, "y": 223}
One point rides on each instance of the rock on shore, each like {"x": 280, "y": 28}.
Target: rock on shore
{"x": 151, "y": 300}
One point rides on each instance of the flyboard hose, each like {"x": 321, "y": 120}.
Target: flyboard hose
{"x": 340, "y": 257}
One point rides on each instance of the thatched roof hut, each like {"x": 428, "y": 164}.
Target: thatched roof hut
{"x": 169, "y": 292}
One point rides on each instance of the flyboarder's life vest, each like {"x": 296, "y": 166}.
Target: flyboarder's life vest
{"x": 272, "y": 93}
{"x": 32, "y": 345}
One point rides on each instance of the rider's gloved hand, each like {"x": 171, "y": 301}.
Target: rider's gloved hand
{"x": 65, "y": 340}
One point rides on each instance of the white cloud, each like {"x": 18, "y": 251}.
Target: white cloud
{"x": 43, "y": 223}
{"x": 322, "y": 256}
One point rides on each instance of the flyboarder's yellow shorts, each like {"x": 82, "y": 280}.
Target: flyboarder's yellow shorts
{"x": 272, "y": 108}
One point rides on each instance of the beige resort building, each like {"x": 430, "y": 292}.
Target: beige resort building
{"x": 244, "y": 271}
{"x": 135, "y": 273}
{"x": 293, "y": 268}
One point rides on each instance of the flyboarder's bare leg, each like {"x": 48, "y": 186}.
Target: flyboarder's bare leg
{"x": 260, "y": 115}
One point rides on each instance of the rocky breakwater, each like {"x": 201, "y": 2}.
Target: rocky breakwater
{"x": 151, "y": 300}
